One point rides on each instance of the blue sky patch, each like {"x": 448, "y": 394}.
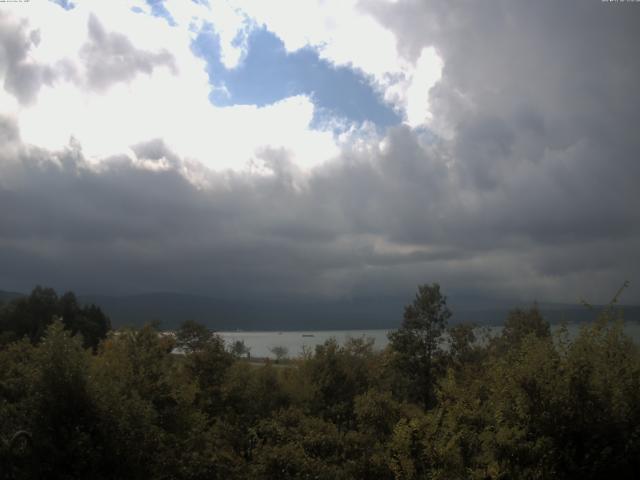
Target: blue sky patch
{"x": 268, "y": 74}
{"x": 66, "y": 4}
{"x": 159, "y": 10}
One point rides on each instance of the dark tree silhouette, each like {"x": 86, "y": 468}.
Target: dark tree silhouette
{"x": 417, "y": 342}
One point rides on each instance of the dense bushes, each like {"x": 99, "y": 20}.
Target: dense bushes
{"x": 524, "y": 405}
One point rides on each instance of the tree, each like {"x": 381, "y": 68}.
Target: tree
{"x": 292, "y": 445}
{"x": 337, "y": 375}
{"x": 522, "y": 323}
{"x": 192, "y": 336}
{"x": 417, "y": 342}
{"x": 89, "y": 321}
{"x": 462, "y": 338}
{"x": 280, "y": 352}
{"x": 208, "y": 366}
{"x": 63, "y": 415}
{"x": 239, "y": 349}
{"x": 30, "y": 316}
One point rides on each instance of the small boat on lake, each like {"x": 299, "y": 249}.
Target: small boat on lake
{"x": 308, "y": 335}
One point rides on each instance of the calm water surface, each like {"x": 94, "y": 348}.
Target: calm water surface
{"x": 261, "y": 343}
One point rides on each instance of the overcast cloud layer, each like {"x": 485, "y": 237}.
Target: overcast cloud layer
{"x": 515, "y": 172}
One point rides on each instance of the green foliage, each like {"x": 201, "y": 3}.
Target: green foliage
{"x": 63, "y": 415}
{"x": 545, "y": 409}
{"x": 207, "y": 368}
{"x": 522, "y": 323}
{"x": 416, "y": 345}
{"x": 251, "y": 393}
{"x": 192, "y": 336}
{"x": 30, "y": 316}
{"x": 525, "y": 405}
{"x": 18, "y": 374}
{"x": 292, "y": 445}
{"x": 377, "y": 413}
{"x": 408, "y": 457}
{"x": 462, "y": 338}
{"x": 338, "y": 374}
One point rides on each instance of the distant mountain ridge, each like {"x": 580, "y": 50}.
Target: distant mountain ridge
{"x": 222, "y": 314}
{"x": 170, "y": 309}
{"x": 8, "y": 296}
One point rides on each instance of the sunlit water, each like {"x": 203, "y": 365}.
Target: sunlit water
{"x": 261, "y": 343}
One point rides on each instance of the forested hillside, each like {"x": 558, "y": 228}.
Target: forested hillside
{"x": 365, "y": 313}
{"x": 522, "y": 405}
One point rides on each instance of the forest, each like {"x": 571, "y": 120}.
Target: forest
{"x": 443, "y": 400}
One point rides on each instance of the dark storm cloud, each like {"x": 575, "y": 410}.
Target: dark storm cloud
{"x": 121, "y": 226}
{"x": 541, "y": 100}
{"x": 534, "y": 193}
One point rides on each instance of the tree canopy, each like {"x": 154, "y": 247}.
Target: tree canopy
{"x": 31, "y": 315}
{"x": 416, "y": 344}
{"x": 524, "y": 404}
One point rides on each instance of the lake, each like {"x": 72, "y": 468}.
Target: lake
{"x": 261, "y": 343}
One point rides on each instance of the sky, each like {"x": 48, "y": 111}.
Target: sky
{"x": 321, "y": 149}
